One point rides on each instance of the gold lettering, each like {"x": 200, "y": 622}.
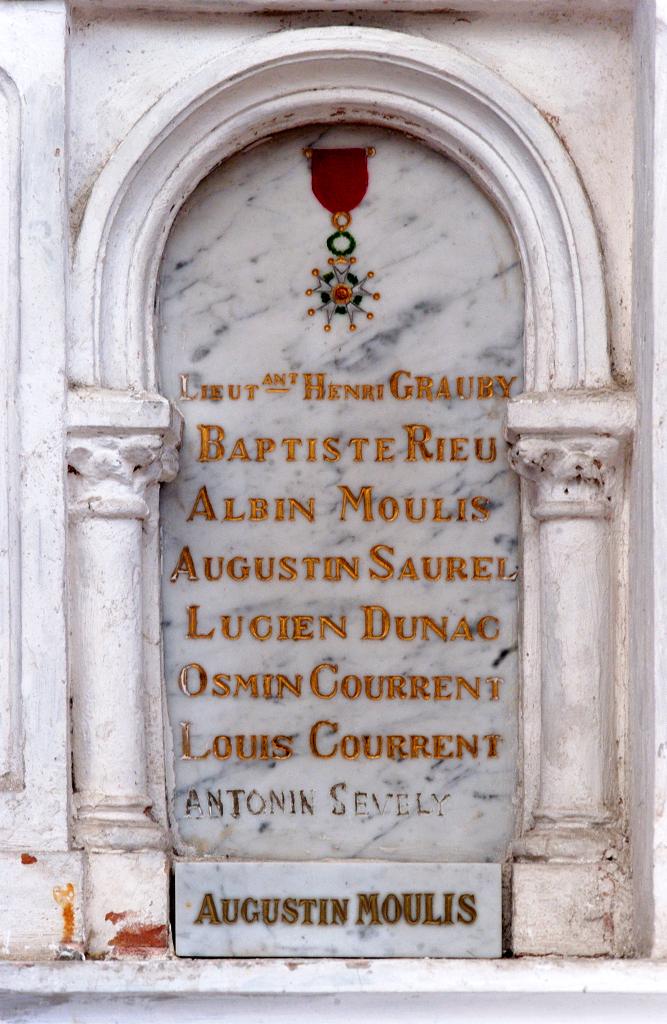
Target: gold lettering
{"x": 202, "y": 506}
{"x": 207, "y": 912}
{"x": 397, "y": 389}
{"x": 314, "y": 737}
{"x": 505, "y": 385}
{"x": 348, "y": 498}
{"x": 211, "y": 448}
{"x": 367, "y": 907}
{"x": 467, "y": 913}
{"x": 378, "y": 559}
{"x": 186, "y": 748}
{"x": 370, "y": 632}
{"x": 186, "y": 565}
{"x": 193, "y": 627}
{"x": 493, "y": 740}
{"x": 482, "y": 630}
{"x": 250, "y": 910}
{"x": 184, "y": 676}
{"x": 418, "y": 437}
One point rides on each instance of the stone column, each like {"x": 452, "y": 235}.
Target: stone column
{"x": 573, "y": 500}
{"x": 119, "y": 449}
{"x": 570, "y": 853}
{"x": 108, "y": 477}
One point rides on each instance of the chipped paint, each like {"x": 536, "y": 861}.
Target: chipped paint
{"x": 64, "y": 897}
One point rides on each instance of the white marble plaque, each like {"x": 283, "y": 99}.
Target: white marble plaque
{"x": 322, "y": 708}
{"x": 352, "y": 909}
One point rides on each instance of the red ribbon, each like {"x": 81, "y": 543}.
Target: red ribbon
{"x": 339, "y": 178}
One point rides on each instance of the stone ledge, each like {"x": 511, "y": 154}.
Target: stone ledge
{"x": 336, "y": 977}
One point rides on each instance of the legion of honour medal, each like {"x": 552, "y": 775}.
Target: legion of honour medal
{"x": 340, "y": 181}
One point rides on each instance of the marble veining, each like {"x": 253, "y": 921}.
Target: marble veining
{"x": 232, "y": 309}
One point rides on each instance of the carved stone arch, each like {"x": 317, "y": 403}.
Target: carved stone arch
{"x": 426, "y": 89}
{"x": 569, "y": 434}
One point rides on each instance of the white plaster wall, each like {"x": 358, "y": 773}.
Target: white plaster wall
{"x": 577, "y": 68}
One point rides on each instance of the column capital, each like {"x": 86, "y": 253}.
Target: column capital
{"x": 111, "y": 465}
{"x": 109, "y": 475}
{"x": 576, "y": 476}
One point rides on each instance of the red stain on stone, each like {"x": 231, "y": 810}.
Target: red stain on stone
{"x": 114, "y": 917}
{"x": 27, "y": 858}
{"x": 140, "y": 938}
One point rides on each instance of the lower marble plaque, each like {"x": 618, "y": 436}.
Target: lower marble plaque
{"x": 350, "y": 909}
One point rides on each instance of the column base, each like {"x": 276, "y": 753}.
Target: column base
{"x": 569, "y": 840}
{"x": 117, "y": 825}
{"x": 127, "y": 904}
{"x": 569, "y": 896}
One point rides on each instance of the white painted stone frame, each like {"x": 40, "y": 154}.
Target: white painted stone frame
{"x": 570, "y": 434}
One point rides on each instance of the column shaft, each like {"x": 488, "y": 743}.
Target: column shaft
{"x": 108, "y": 736}
{"x": 109, "y": 477}
{"x": 573, "y": 492}
{"x": 576, "y": 690}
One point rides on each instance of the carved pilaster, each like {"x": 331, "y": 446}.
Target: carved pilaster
{"x": 570, "y": 449}
{"x": 575, "y": 485}
{"x": 110, "y": 474}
